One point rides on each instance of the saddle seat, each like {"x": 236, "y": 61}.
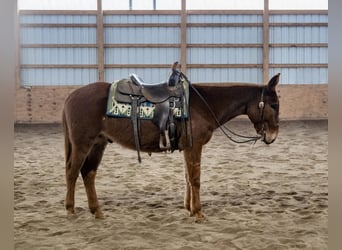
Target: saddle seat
{"x": 140, "y": 82}
{"x": 156, "y": 92}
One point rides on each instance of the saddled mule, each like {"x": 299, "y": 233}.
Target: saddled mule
{"x": 88, "y": 131}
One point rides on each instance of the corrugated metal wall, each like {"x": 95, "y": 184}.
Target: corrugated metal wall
{"x": 61, "y": 49}
{"x": 48, "y": 47}
{"x": 294, "y": 54}
{"x": 220, "y": 37}
{"x": 119, "y": 49}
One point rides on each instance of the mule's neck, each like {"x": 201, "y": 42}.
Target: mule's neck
{"x": 228, "y": 102}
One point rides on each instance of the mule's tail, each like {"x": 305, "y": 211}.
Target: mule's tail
{"x": 67, "y": 143}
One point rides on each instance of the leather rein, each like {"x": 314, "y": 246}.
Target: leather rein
{"x": 224, "y": 129}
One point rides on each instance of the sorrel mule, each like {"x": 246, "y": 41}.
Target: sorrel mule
{"x": 88, "y": 130}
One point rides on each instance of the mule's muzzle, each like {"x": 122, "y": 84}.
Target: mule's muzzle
{"x": 269, "y": 136}
{"x": 268, "y": 142}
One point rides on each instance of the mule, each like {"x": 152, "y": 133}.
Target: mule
{"x": 87, "y": 131}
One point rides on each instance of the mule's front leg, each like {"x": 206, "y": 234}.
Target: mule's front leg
{"x": 193, "y": 174}
{"x": 187, "y": 194}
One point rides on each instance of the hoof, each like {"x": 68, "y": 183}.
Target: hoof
{"x": 99, "y": 214}
{"x": 199, "y": 217}
{"x": 71, "y": 215}
{"x": 187, "y": 206}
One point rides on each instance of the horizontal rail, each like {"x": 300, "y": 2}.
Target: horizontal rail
{"x": 58, "y": 66}
{"x": 147, "y": 25}
{"x": 143, "y": 45}
{"x": 49, "y": 45}
{"x": 140, "y": 25}
{"x": 58, "y": 12}
{"x": 216, "y": 66}
{"x": 175, "y": 45}
{"x": 304, "y": 65}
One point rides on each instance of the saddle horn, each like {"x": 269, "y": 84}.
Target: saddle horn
{"x": 174, "y": 66}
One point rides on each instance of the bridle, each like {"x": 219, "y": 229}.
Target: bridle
{"x": 261, "y": 111}
{"x": 224, "y": 129}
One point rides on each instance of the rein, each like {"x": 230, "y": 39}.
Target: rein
{"x": 223, "y": 127}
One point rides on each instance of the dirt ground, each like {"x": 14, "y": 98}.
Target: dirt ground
{"x": 254, "y": 196}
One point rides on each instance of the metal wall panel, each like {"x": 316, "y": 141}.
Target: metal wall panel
{"x": 215, "y": 75}
{"x": 172, "y": 35}
{"x": 307, "y": 18}
{"x": 224, "y": 35}
{"x": 58, "y": 56}
{"x": 141, "y": 55}
{"x": 70, "y": 19}
{"x": 301, "y": 75}
{"x": 57, "y": 76}
{"x": 299, "y": 55}
{"x": 224, "y": 19}
{"x": 53, "y": 35}
{"x": 141, "y": 19}
{"x": 152, "y": 75}
{"x": 224, "y": 55}
{"x": 47, "y": 56}
{"x": 148, "y": 35}
{"x": 298, "y": 35}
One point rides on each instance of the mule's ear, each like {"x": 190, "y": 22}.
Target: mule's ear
{"x": 273, "y": 82}
{"x": 174, "y": 66}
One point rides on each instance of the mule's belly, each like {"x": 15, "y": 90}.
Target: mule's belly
{"x": 120, "y": 130}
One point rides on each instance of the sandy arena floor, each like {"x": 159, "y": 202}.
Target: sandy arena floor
{"x": 254, "y": 196}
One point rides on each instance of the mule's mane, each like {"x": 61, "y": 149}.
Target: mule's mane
{"x": 227, "y": 84}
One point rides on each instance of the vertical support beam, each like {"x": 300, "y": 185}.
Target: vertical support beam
{"x": 99, "y": 41}
{"x": 17, "y": 48}
{"x": 154, "y": 4}
{"x": 183, "y": 36}
{"x": 266, "y": 37}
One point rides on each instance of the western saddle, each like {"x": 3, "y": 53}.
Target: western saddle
{"x": 165, "y": 96}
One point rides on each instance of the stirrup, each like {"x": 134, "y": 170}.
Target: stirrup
{"x": 167, "y": 146}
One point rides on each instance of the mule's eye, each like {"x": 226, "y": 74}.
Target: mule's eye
{"x": 275, "y": 106}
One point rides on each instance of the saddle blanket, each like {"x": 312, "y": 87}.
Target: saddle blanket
{"x": 146, "y": 109}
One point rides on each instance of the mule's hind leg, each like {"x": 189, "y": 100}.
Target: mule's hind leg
{"x": 88, "y": 172}
{"x": 72, "y": 170}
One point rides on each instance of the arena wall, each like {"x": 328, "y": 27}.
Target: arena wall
{"x": 44, "y": 104}
{"x": 59, "y": 51}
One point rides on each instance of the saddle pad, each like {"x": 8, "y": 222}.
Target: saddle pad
{"x": 146, "y": 109}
